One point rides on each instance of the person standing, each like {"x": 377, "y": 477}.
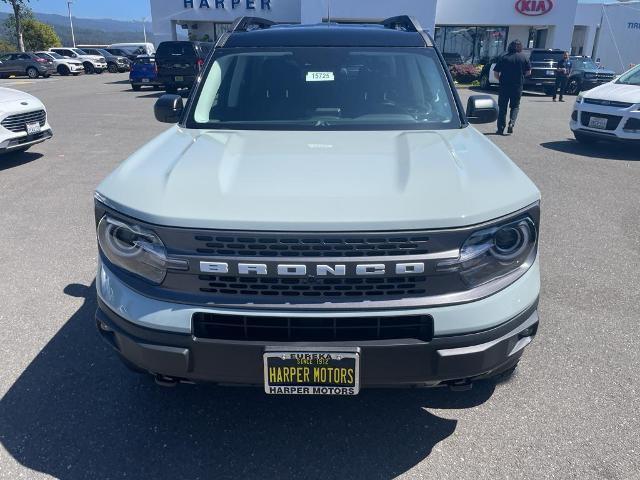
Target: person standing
{"x": 510, "y": 72}
{"x": 562, "y": 76}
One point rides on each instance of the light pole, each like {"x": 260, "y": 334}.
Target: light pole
{"x": 73, "y": 37}
{"x": 144, "y": 28}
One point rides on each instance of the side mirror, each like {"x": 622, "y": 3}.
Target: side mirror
{"x": 168, "y": 108}
{"x": 482, "y": 109}
{"x": 73, "y": 55}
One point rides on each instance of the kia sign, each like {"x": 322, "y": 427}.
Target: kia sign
{"x": 534, "y": 7}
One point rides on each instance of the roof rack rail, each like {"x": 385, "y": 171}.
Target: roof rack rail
{"x": 407, "y": 23}
{"x": 244, "y": 24}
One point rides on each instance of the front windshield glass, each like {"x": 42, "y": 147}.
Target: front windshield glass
{"x": 49, "y": 55}
{"x": 103, "y": 52}
{"x": 330, "y": 88}
{"x": 632, "y": 77}
{"x": 587, "y": 64}
{"x": 78, "y": 51}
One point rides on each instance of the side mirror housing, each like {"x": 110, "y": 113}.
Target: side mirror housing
{"x": 482, "y": 109}
{"x": 168, "y": 108}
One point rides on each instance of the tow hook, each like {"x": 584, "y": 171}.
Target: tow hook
{"x": 165, "y": 381}
{"x": 460, "y": 386}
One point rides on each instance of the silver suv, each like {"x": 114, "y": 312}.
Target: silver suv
{"x": 323, "y": 217}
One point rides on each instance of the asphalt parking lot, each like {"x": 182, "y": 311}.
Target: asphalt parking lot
{"x": 70, "y": 410}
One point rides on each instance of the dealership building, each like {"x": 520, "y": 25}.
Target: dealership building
{"x": 467, "y": 31}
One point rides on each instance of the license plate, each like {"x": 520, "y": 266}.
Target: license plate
{"x": 312, "y": 372}
{"x": 598, "y": 122}
{"x": 179, "y": 79}
{"x": 145, "y": 80}
{"x": 551, "y": 73}
{"x": 33, "y": 128}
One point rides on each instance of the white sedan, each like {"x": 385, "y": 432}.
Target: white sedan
{"x": 23, "y": 121}
{"x": 610, "y": 111}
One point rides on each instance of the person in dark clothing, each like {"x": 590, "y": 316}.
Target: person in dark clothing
{"x": 562, "y": 76}
{"x": 510, "y": 72}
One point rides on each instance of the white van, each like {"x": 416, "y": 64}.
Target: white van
{"x": 148, "y": 48}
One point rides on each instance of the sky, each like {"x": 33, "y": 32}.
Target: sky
{"x": 116, "y": 9}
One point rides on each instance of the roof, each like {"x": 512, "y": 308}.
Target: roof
{"x": 394, "y": 32}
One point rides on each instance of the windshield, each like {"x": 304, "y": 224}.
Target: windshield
{"x": 103, "y": 52}
{"x": 78, "y": 51}
{"x": 49, "y": 56}
{"x": 632, "y": 77}
{"x": 330, "y": 88}
{"x": 587, "y": 64}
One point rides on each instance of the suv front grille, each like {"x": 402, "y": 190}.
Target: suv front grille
{"x": 341, "y": 287}
{"x": 612, "y": 120}
{"x": 18, "y": 122}
{"x": 296, "y": 245}
{"x": 311, "y": 329}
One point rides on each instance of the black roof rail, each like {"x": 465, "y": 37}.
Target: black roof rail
{"x": 407, "y": 23}
{"x": 244, "y": 24}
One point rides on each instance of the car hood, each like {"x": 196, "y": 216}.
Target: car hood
{"x": 616, "y": 92}
{"x": 599, "y": 70}
{"x": 322, "y": 181}
{"x": 92, "y": 57}
{"x": 9, "y": 96}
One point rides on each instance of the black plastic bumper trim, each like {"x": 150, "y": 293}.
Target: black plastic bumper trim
{"x": 383, "y": 362}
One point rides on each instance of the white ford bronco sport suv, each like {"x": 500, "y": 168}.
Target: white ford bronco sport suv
{"x": 321, "y": 218}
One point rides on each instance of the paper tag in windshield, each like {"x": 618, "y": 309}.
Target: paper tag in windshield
{"x": 319, "y": 77}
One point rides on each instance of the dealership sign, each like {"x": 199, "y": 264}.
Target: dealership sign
{"x": 233, "y": 4}
{"x": 534, "y": 7}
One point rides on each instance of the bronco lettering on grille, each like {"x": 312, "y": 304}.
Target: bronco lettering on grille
{"x": 339, "y": 270}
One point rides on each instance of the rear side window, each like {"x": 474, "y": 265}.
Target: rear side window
{"x": 176, "y": 49}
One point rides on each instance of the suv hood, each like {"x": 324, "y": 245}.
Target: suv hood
{"x": 616, "y": 92}
{"x": 11, "y": 95}
{"x": 322, "y": 181}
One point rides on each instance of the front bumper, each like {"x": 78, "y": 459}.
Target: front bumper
{"x": 24, "y": 140}
{"x": 620, "y": 133}
{"x": 457, "y": 359}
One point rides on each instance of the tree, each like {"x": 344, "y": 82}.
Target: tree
{"x": 18, "y": 7}
{"x": 39, "y": 36}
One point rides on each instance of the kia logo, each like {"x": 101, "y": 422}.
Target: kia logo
{"x": 534, "y": 7}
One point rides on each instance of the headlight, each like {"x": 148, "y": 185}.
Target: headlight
{"x": 580, "y": 98}
{"x": 589, "y": 75}
{"x": 135, "y": 249}
{"x": 494, "y": 252}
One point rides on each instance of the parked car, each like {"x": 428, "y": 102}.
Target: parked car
{"x": 64, "y": 66}
{"x": 585, "y": 74}
{"x": 322, "y": 217}
{"x": 115, "y": 63}
{"x": 91, "y": 63}
{"x": 25, "y": 63}
{"x": 543, "y": 70}
{"x": 144, "y": 72}
{"x": 131, "y": 55}
{"x": 179, "y": 62}
{"x": 23, "y": 121}
{"x": 610, "y": 111}
{"x": 138, "y": 48}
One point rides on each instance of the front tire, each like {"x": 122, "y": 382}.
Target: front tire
{"x": 112, "y": 68}
{"x": 32, "y": 72}
{"x": 89, "y": 68}
{"x": 63, "y": 70}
